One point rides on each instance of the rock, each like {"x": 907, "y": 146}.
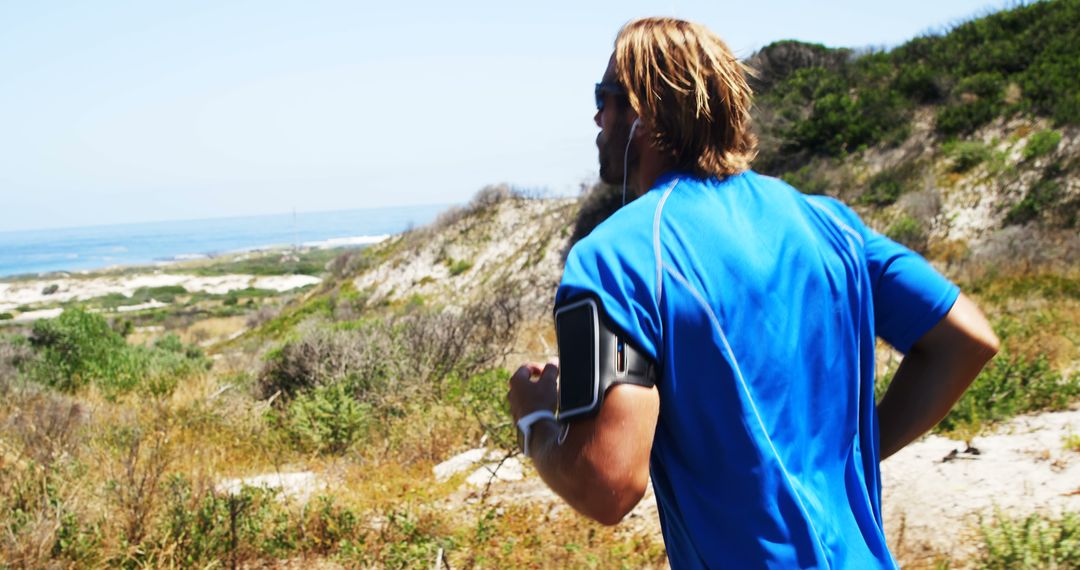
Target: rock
{"x": 458, "y": 463}
{"x": 507, "y": 470}
{"x": 299, "y": 486}
{"x": 465, "y": 460}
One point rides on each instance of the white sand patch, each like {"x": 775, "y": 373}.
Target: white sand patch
{"x": 299, "y": 486}
{"x": 281, "y": 283}
{"x": 346, "y": 241}
{"x": 15, "y": 294}
{"x": 35, "y": 315}
{"x": 935, "y": 498}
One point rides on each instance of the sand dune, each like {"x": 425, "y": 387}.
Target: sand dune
{"x": 29, "y": 293}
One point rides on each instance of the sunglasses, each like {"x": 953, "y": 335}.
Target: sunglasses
{"x": 605, "y": 88}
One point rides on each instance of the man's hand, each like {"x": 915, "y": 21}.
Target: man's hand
{"x": 532, "y": 388}
{"x": 602, "y": 467}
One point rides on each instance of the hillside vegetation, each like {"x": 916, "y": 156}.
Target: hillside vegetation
{"x": 134, "y": 450}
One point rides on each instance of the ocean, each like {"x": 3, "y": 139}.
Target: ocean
{"x": 98, "y": 247}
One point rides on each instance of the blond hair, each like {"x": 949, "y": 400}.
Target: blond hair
{"x": 684, "y": 82}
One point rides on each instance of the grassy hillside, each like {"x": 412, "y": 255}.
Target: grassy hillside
{"x": 834, "y": 102}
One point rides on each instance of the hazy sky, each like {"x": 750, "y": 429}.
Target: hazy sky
{"x": 114, "y": 111}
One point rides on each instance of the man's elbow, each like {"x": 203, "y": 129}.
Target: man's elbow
{"x": 989, "y": 345}
{"x": 983, "y": 343}
{"x": 611, "y": 508}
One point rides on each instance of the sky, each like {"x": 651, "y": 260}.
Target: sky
{"x": 133, "y": 111}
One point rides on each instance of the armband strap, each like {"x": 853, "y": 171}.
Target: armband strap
{"x": 594, "y": 355}
{"x": 524, "y": 426}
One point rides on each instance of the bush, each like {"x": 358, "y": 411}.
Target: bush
{"x": 1011, "y": 385}
{"x": 919, "y": 83}
{"x": 203, "y": 526}
{"x": 48, "y": 425}
{"x": 350, "y": 262}
{"x": 328, "y": 419}
{"x": 75, "y": 348}
{"x": 78, "y": 348}
{"x": 15, "y": 355}
{"x": 6, "y": 316}
{"x": 966, "y": 155}
{"x": 806, "y": 181}
{"x": 908, "y": 231}
{"x": 888, "y": 185}
{"x": 596, "y": 204}
{"x": 367, "y": 354}
{"x": 1041, "y": 144}
{"x": 1031, "y": 542}
{"x": 458, "y": 267}
{"x": 964, "y": 118}
{"x": 50, "y": 289}
{"x": 1040, "y": 197}
{"x": 455, "y": 345}
{"x": 484, "y": 395}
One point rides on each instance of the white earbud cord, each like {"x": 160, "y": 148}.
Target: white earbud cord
{"x": 626, "y": 159}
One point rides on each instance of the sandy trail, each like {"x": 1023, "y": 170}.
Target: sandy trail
{"x": 933, "y": 498}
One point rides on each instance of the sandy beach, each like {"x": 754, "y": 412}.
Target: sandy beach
{"x": 32, "y": 292}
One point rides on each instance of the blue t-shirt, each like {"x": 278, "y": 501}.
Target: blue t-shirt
{"x": 760, "y": 306}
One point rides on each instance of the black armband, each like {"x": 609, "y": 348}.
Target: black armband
{"x": 593, "y": 357}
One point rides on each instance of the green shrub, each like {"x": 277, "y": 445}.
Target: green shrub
{"x": 1031, "y": 542}
{"x": 964, "y": 118}
{"x": 1039, "y": 197}
{"x": 201, "y": 527}
{"x": 328, "y": 419}
{"x": 919, "y": 82}
{"x": 1008, "y": 386}
{"x": 78, "y": 348}
{"x": 1041, "y": 144}
{"x": 886, "y": 186}
{"x": 805, "y": 181}
{"x": 164, "y": 294}
{"x": 908, "y": 231}
{"x": 966, "y": 155}
{"x": 75, "y": 348}
{"x": 458, "y": 267}
{"x": 484, "y": 395}
{"x": 6, "y": 316}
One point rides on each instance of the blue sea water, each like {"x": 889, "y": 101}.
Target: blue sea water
{"x": 73, "y": 249}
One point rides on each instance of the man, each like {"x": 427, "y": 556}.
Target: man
{"x": 755, "y": 310}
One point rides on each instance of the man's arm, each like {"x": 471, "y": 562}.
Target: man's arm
{"x": 934, "y": 374}
{"x": 602, "y": 468}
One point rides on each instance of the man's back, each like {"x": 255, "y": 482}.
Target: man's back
{"x": 758, "y": 304}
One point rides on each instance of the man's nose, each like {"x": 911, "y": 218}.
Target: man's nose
{"x": 596, "y": 118}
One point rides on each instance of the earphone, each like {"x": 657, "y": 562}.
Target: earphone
{"x": 626, "y": 157}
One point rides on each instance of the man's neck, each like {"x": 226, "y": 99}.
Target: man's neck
{"x": 651, "y": 166}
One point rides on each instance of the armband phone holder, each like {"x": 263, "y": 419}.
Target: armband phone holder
{"x": 593, "y": 357}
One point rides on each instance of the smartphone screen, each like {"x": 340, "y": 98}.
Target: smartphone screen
{"x": 576, "y": 330}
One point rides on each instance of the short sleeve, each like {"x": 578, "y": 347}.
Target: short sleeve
{"x": 621, "y": 274}
{"x": 910, "y": 296}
